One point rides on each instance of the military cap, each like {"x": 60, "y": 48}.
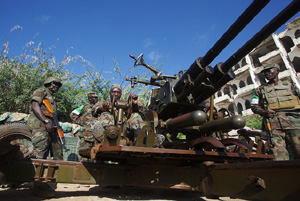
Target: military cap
{"x": 92, "y": 94}
{"x": 52, "y": 79}
{"x": 115, "y": 86}
{"x": 269, "y": 66}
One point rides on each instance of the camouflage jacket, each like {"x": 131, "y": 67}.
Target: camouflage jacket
{"x": 278, "y": 98}
{"x": 39, "y": 95}
{"x": 85, "y": 116}
{"x": 96, "y": 112}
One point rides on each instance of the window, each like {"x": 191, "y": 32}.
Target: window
{"x": 242, "y": 84}
{"x": 287, "y": 43}
{"x": 247, "y": 104}
{"x": 240, "y": 108}
{"x": 249, "y": 80}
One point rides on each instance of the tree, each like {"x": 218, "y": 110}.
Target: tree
{"x": 21, "y": 75}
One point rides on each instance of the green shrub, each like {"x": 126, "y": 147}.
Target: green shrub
{"x": 254, "y": 121}
{"x": 22, "y": 74}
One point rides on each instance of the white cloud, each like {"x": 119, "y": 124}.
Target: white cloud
{"x": 153, "y": 56}
{"x": 43, "y": 19}
{"x": 212, "y": 27}
{"x": 148, "y": 42}
{"x": 201, "y": 40}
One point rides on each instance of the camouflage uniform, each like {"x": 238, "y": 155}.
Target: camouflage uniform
{"x": 75, "y": 115}
{"x": 43, "y": 141}
{"x": 105, "y": 118}
{"x": 86, "y": 136}
{"x": 284, "y": 99}
{"x": 131, "y": 126}
{"x": 84, "y": 117}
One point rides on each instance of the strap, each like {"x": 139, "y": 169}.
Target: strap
{"x": 265, "y": 97}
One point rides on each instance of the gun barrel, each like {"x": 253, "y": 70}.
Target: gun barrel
{"x": 200, "y": 63}
{"x": 195, "y": 118}
{"x": 234, "y": 30}
{"x": 266, "y": 31}
{"x": 214, "y": 79}
{"x": 234, "y": 122}
{"x": 199, "y": 96}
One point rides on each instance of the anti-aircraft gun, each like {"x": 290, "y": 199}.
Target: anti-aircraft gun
{"x": 168, "y": 113}
{"x": 203, "y": 162}
{"x": 189, "y": 91}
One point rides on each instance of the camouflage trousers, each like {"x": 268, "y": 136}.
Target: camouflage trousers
{"x": 88, "y": 137}
{"x": 286, "y": 144}
{"x": 91, "y": 136}
{"x": 133, "y": 125}
{"x": 45, "y": 143}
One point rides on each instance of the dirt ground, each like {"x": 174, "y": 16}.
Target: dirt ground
{"x": 76, "y": 192}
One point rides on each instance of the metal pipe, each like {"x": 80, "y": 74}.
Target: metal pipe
{"x": 227, "y": 37}
{"x": 234, "y": 122}
{"x": 195, "y": 118}
{"x": 266, "y": 31}
{"x": 232, "y": 32}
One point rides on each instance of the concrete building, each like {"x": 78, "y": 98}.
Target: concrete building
{"x": 282, "y": 48}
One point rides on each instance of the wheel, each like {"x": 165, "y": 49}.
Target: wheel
{"x": 13, "y": 136}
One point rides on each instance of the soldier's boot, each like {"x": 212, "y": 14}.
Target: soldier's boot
{"x": 97, "y": 130}
{"x": 43, "y": 190}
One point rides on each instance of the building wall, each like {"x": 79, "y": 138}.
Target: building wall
{"x": 282, "y": 48}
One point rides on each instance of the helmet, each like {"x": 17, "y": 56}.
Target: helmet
{"x": 92, "y": 94}
{"x": 52, "y": 79}
{"x": 271, "y": 66}
{"x": 116, "y": 86}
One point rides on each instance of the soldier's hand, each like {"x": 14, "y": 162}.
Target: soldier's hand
{"x": 105, "y": 106}
{"x": 50, "y": 128}
{"x": 268, "y": 113}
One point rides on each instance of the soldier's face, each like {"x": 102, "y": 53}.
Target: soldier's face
{"x": 115, "y": 92}
{"x": 271, "y": 73}
{"x": 93, "y": 100}
{"x": 54, "y": 87}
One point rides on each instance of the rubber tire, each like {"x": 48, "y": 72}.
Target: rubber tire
{"x": 13, "y": 131}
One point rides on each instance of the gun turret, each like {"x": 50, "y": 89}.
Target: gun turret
{"x": 157, "y": 73}
{"x": 134, "y": 80}
{"x": 187, "y": 92}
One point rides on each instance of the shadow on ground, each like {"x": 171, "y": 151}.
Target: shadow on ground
{"x": 78, "y": 192}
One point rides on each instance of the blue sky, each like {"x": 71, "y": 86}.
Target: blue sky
{"x": 170, "y": 32}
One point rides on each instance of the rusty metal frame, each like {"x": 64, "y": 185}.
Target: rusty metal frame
{"x": 257, "y": 180}
{"x": 174, "y": 154}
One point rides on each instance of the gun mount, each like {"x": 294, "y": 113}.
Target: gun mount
{"x": 206, "y": 160}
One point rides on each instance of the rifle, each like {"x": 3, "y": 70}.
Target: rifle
{"x": 269, "y": 131}
{"x": 266, "y": 120}
{"x": 56, "y": 123}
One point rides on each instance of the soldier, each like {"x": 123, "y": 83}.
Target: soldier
{"x": 132, "y": 125}
{"x": 78, "y": 115}
{"x": 278, "y": 101}
{"x": 84, "y": 117}
{"x": 45, "y": 139}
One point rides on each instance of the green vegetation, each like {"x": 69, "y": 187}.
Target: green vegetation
{"x": 254, "y": 121}
{"x": 21, "y": 75}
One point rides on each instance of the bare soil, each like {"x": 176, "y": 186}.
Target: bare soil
{"x": 76, "y": 192}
